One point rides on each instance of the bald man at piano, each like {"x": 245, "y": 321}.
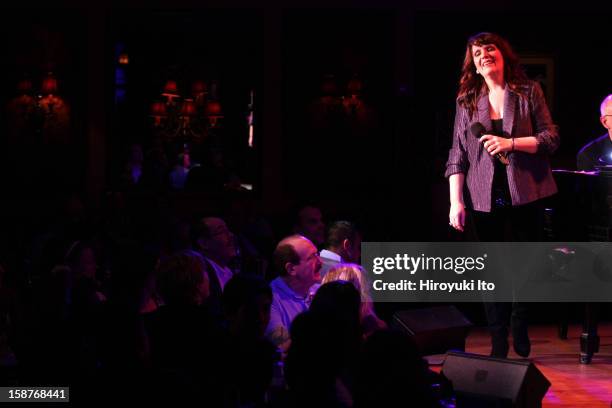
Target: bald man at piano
{"x": 598, "y": 152}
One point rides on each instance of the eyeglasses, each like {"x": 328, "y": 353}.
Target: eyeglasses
{"x": 315, "y": 255}
{"x": 220, "y": 232}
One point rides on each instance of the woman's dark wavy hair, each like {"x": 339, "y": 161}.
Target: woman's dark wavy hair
{"x": 471, "y": 84}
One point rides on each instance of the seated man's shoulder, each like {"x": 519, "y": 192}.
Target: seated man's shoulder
{"x": 277, "y": 286}
{"x": 590, "y": 153}
{"x": 598, "y": 141}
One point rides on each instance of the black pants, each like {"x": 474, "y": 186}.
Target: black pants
{"x": 512, "y": 224}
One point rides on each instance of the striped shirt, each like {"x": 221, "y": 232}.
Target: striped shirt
{"x": 529, "y": 175}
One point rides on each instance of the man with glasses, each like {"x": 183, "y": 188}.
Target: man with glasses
{"x": 298, "y": 264}
{"x": 215, "y": 242}
{"x": 599, "y": 151}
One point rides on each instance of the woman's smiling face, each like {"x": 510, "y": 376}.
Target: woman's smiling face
{"x": 488, "y": 59}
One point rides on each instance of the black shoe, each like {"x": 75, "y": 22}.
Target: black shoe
{"x": 500, "y": 348}
{"x": 521, "y": 343}
{"x": 522, "y": 349}
{"x": 518, "y": 325}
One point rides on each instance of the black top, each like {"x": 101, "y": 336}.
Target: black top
{"x": 501, "y": 191}
{"x": 596, "y": 153}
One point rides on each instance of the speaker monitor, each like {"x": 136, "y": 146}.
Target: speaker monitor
{"x": 481, "y": 381}
{"x": 435, "y": 330}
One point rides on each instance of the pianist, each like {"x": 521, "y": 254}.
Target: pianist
{"x": 598, "y": 152}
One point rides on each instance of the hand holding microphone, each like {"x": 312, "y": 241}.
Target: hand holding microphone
{"x": 496, "y": 146}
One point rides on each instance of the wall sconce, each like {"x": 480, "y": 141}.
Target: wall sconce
{"x": 36, "y": 113}
{"x": 186, "y": 117}
{"x": 47, "y": 99}
{"x": 213, "y": 112}
{"x": 352, "y": 100}
{"x": 124, "y": 59}
{"x": 49, "y": 84}
{"x": 38, "y": 106}
{"x": 158, "y": 112}
{"x": 170, "y": 92}
{"x": 347, "y": 100}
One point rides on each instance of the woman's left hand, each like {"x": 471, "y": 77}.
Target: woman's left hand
{"x": 496, "y": 144}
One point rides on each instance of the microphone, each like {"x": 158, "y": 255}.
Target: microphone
{"x": 477, "y": 129}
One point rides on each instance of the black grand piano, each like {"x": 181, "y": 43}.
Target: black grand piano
{"x": 582, "y": 212}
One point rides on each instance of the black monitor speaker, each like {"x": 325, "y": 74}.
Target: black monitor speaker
{"x": 435, "y": 330}
{"x": 486, "y": 382}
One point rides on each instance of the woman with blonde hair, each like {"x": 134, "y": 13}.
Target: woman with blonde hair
{"x": 355, "y": 274}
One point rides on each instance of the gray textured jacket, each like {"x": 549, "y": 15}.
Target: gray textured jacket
{"x": 529, "y": 175}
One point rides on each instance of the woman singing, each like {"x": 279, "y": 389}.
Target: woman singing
{"x": 503, "y": 135}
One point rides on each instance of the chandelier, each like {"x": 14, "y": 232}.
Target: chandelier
{"x": 37, "y": 112}
{"x": 187, "y": 117}
{"x": 345, "y": 100}
{"x": 38, "y": 106}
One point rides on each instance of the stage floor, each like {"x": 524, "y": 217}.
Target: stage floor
{"x": 573, "y": 384}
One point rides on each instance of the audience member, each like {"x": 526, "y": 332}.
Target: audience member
{"x": 297, "y": 262}
{"x": 178, "y": 175}
{"x": 324, "y": 349}
{"x": 85, "y": 281}
{"x": 343, "y": 245}
{"x": 309, "y": 223}
{"x": 185, "y": 345}
{"x": 9, "y": 320}
{"x": 355, "y": 274}
{"x": 392, "y": 373}
{"x": 250, "y": 357}
{"x": 215, "y": 242}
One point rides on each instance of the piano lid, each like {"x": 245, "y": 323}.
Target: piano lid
{"x": 588, "y": 173}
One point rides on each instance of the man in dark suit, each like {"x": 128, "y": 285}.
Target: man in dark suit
{"x": 343, "y": 245}
{"x": 215, "y": 242}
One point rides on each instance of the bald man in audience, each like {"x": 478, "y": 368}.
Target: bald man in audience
{"x": 297, "y": 261}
